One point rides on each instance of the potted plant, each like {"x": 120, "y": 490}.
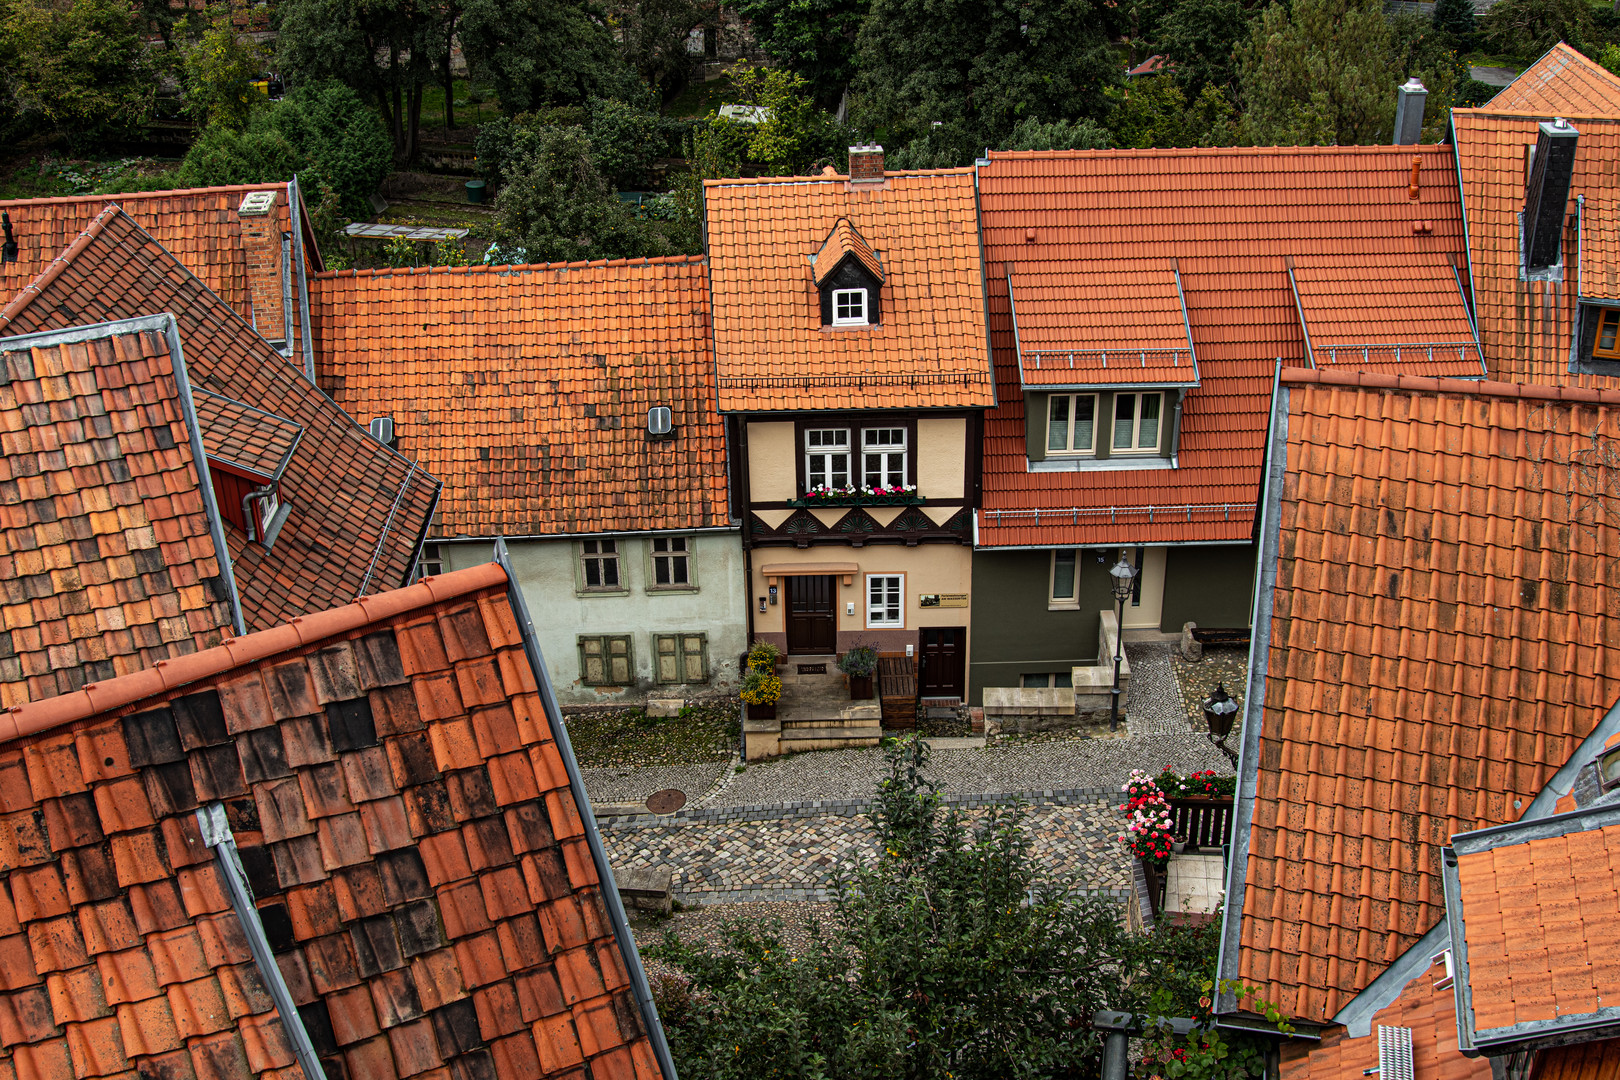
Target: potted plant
{"x": 859, "y": 662}
{"x": 1178, "y": 844}
{"x": 761, "y": 689}
{"x": 764, "y": 656}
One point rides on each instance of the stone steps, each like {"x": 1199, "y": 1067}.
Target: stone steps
{"x": 797, "y": 740}
{"x": 833, "y": 722}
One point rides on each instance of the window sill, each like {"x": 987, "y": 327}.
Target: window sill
{"x": 1063, "y": 605}
{"x": 1110, "y": 464}
{"x": 589, "y": 591}
{"x": 885, "y": 626}
{"x": 652, "y": 590}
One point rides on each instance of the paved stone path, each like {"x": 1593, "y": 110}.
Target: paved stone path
{"x": 794, "y": 852}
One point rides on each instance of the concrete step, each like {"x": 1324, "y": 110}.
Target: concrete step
{"x": 870, "y": 722}
{"x": 828, "y": 738}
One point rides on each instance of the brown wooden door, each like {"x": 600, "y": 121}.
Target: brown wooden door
{"x": 942, "y": 669}
{"x": 812, "y": 619}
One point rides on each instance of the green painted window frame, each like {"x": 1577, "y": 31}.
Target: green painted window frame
{"x": 681, "y": 649}
{"x": 687, "y": 554}
{"x": 600, "y": 647}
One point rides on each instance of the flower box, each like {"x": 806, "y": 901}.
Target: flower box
{"x": 855, "y": 496}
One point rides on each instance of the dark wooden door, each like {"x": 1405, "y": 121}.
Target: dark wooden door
{"x": 943, "y": 668}
{"x": 812, "y": 619}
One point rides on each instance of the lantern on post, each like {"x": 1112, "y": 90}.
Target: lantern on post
{"x": 1124, "y": 575}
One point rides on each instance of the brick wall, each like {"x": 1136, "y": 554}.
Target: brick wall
{"x": 866, "y": 163}
{"x": 261, "y": 244}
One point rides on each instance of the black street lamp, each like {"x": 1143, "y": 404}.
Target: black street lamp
{"x": 1219, "y": 712}
{"x": 1124, "y": 575}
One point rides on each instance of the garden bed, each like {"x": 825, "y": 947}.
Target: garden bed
{"x": 630, "y": 739}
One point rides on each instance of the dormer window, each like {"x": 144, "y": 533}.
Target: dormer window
{"x": 248, "y": 452}
{"x": 849, "y": 276}
{"x": 849, "y": 307}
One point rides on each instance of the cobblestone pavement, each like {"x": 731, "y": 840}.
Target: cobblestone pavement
{"x": 1227, "y": 666}
{"x": 634, "y": 785}
{"x": 794, "y": 852}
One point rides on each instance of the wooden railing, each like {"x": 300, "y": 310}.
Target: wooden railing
{"x": 1206, "y": 823}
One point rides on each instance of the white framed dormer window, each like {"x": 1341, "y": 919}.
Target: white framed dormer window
{"x": 826, "y": 457}
{"x": 1064, "y": 591}
{"x": 885, "y": 601}
{"x": 883, "y": 457}
{"x": 849, "y": 307}
{"x": 1071, "y": 424}
{"x": 1136, "y": 423}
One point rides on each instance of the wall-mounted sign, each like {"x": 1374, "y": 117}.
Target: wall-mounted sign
{"x": 959, "y": 599}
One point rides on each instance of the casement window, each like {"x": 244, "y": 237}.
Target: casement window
{"x": 606, "y": 660}
{"x": 1136, "y": 423}
{"x": 599, "y": 565}
{"x": 1071, "y": 424}
{"x": 431, "y": 564}
{"x": 1046, "y": 680}
{"x": 885, "y": 600}
{"x": 1607, "y": 344}
{"x": 849, "y": 307}
{"x": 1065, "y": 579}
{"x": 681, "y": 658}
{"x": 671, "y": 563}
{"x": 826, "y": 457}
{"x": 883, "y": 457}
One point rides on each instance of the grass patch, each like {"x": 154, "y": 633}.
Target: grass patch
{"x": 469, "y": 113}
{"x": 630, "y": 739}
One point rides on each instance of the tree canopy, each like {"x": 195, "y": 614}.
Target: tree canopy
{"x": 1319, "y": 72}
{"x": 79, "y": 68}
{"x": 814, "y": 39}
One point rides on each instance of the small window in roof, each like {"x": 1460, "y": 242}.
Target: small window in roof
{"x": 849, "y": 307}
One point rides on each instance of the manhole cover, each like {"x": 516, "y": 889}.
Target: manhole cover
{"x": 667, "y": 801}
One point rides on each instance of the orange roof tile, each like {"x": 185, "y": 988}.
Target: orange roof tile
{"x": 1600, "y": 247}
{"x": 929, "y": 348}
{"x": 244, "y": 437}
{"x": 412, "y": 827}
{"x": 1560, "y": 83}
{"x": 1534, "y": 907}
{"x": 359, "y": 510}
{"x": 842, "y": 241}
{"x": 199, "y": 226}
{"x": 1432, "y": 1016}
{"x": 1348, "y": 320}
{"x": 1526, "y": 327}
{"x": 107, "y": 560}
{"x": 1437, "y": 641}
{"x": 528, "y": 388}
{"x": 1229, "y": 218}
{"x": 1103, "y": 324}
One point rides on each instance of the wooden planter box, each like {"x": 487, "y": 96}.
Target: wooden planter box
{"x": 762, "y": 712}
{"x": 860, "y": 688}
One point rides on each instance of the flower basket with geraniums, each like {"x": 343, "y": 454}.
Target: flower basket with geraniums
{"x": 1198, "y": 785}
{"x": 761, "y": 686}
{"x": 860, "y": 495}
{"x": 764, "y": 656}
{"x": 1149, "y": 832}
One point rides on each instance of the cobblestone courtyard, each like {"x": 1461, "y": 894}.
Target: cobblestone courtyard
{"x": 779, "y": 830}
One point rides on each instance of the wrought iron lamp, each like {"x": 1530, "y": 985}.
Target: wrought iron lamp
{"x": 1124, "y": 575}
{"x": 1219, "y": 712}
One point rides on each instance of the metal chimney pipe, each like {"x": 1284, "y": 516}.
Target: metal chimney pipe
{"x": 1410, "y": 101}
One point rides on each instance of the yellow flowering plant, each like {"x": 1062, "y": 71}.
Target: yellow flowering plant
{"x": 761, "y": 687}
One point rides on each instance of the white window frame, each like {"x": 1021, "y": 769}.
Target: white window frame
{"x": 1071, "y": 602}
{"x": 1069, "y": 448}
{"x": 1135, "y": 445}
{"x": 676, "y": 551}
{"x": 265, "y": 510}
{"x": 604, "y": 553}
{"x": 891, "y": 457}
{"x": 877, "y": 613}
{"x": 827, "y": 472}
{"x": 852, "y": 318}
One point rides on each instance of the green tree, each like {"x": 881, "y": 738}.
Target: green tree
{"x": 1420, "y": 49}
{"x": 1455, "y": 19}
{"x": 218, "y": 71}
{"x": 1153, "y": 112}
{"x": 543, "y": 52}
{"x": 79, "y": 67}
{"x": 796, "y": 133}
{"x": 951, "y": 956}
{"x": 1202, "y": 38}
{"x": 557, "y": 207}
{"x": 653, "y": 36}
{"x": 1318, "y": 72}
{"x": 1032, "y": 134}
{"x": 812, "y": 38}
{"x": 625, "y": 139}
{"x": 1528, "y": 28}
{"x": 977, "y": 69}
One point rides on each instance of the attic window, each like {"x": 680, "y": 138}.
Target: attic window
{"x": 1607, "y": 344}
{"x": 1608, "y": 768}
{"x": 849, "y": 307}
{"x": 248, "y": 452}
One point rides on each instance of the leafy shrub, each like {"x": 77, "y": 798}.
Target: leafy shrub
{"x": 859, "y": 660}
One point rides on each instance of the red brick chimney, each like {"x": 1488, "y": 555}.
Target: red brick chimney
{"x": 866, "y": 164}
{"x": 261, "y": 243}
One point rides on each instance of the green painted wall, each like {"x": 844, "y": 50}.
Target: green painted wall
{"x": 1014, "y": 632}
{"x": 1211, "y": 586}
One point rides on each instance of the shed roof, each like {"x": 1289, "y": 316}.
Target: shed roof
{"x": 1561, "y": 82}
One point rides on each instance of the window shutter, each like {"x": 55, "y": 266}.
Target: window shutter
{"x": 1035, "y": 425}
{"x": 619, "y": 660}
{"x": 591, "y": 667}
{"x": 667, "y": 658}
{"x": 694, "y": 658}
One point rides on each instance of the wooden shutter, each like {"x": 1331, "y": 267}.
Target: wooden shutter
{"x": 592, "y": 669}
{"x": 666, "y": 658}
{"x": 695, "y": 657}
{"x": 618, "y": 660}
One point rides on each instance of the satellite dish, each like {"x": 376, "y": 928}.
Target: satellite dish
{"x": 658, "y": 420}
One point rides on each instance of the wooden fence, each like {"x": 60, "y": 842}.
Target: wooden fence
{"x": 1206, "y": 823}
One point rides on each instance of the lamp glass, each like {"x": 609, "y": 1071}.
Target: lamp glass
{"x": 1123, "y": 574}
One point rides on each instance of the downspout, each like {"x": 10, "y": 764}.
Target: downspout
{"x": 286, "y": 297}
{"x": 295, "y": 200}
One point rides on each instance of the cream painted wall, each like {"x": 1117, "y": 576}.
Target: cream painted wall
{"x": 941, "y": 457}
{"x": 773, "y": 464}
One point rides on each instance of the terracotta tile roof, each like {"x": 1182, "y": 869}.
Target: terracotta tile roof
{"x": 1600, "y": 247}
{"x": 1432, "y": 1016}
{"x": 1534, "y": 909}
{"x": 1560, "y": 83}
{"x": 1586, "y": 1061}
{"x": 244, "y": 437}
{"x": 410, "y": 824}
{"x": 359, "y": 509}
{"x": 929, "y": 349}
{"x": 198, "y": 226}
{"x": 1102, "y": 324}
{"x": 842, "y": 241}
{"x": 1229, "y": 218}
{"x": 1526, "y": 327}
{"x": 1438, "y": 640}
{"x": 1348, "y": 320}
{"x": 107, "y": 560}
{"x": 528, "y": 389}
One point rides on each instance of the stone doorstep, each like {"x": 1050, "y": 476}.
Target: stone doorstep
{"x": 861, "y": 722}
{"x": 822, "y": 733}
{"x": 665, "y": 707}
{"x": 646, "y": 889}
